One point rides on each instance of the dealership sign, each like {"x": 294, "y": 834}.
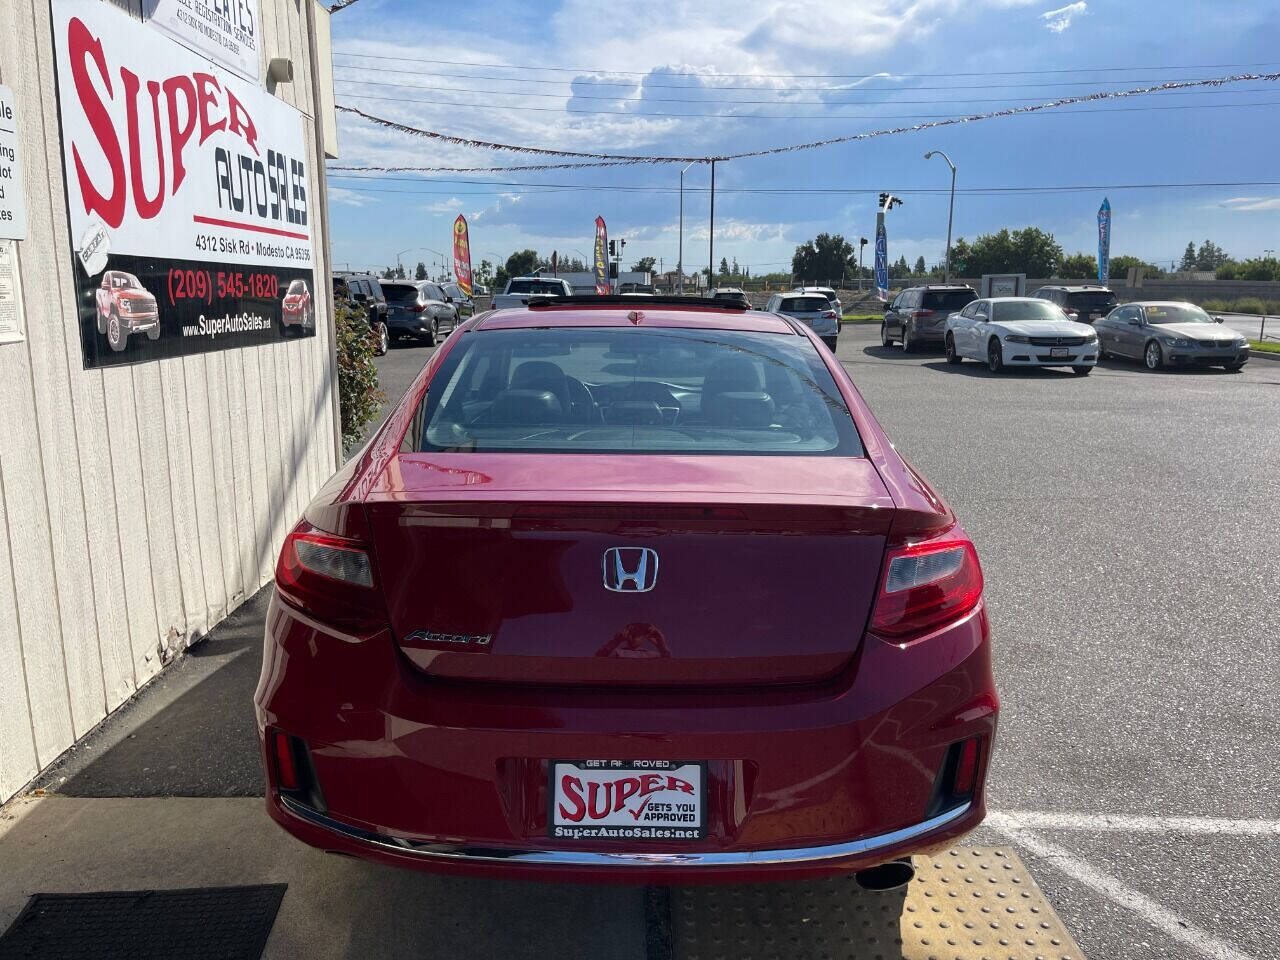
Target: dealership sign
{"x": 226, "y": 31}
{"x": 187, "y": 193}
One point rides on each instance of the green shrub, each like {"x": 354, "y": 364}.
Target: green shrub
{"x": 1273, "y": 307}
{"x": 1216, "y": 305}
{"x": 359, "y": 398}
{"x": 1249, "y": 305}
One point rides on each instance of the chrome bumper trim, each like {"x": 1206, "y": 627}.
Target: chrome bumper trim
{"x": 580, "y": 858}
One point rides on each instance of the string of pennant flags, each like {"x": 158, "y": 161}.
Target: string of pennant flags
{"x": 577, "y": 159}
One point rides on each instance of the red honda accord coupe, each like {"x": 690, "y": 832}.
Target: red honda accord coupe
{"x": 628, "y": 591}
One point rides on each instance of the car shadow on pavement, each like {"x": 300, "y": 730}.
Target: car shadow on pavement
{"x": 189, "y": 733}
{"x": 971, "y": 368}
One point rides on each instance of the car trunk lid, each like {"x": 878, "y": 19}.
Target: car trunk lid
{"x": 761, "y": 570}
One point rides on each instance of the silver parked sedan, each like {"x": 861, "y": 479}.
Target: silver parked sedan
{"x": 814, "y": 310}
{"x": 1170, "y": 334}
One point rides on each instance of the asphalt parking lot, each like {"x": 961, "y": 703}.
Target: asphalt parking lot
{"x": 1127, "y": 527}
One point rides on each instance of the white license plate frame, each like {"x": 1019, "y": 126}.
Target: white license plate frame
{"x": 634, "y": 811}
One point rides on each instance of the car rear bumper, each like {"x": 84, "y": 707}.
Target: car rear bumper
{"x": 453, "y": 777}
{"x": 414, "y": 323}
{"x": 634, "y": 865}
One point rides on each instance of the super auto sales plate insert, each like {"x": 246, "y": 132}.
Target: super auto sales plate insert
{"x": 628, "y": 800}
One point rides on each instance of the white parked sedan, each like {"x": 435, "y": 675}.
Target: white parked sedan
{"x": 1020, "y": 332}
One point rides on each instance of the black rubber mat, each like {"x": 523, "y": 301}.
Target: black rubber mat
{"x": 226, "y": 923}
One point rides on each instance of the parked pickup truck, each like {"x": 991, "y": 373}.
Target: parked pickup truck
{"x": 521, "y": 289}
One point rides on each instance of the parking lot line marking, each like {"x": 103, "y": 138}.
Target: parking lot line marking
{"x": 1115, "y": 890}
{"x": 1130, "y": 823}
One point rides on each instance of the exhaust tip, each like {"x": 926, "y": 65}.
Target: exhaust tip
{"x": 886, "y": 876}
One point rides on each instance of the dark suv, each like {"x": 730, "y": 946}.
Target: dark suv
{"x": 364, "y": 290}
{"x": 918, "y": 315}
{"x": 1085, "y": 303}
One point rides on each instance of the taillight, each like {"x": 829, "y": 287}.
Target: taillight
{"x": 830, "y": 315}
{"x": 921, "y": 313}
{"x": 926, "y": 585}
{"x": 418, "y": 307}
{"x": 282, "y": 754}
{"x": 966, "y": 775}
{"x": 331, "y": 578}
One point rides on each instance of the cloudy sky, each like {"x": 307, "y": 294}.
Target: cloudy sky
{"x": 715, "y": 77}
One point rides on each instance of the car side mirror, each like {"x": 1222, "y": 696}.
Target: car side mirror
{"x": 1135, "y": 322}
{"x": 1217, "y": 319}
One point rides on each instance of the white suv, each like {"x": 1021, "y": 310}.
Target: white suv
{"x": 827, "y": 292}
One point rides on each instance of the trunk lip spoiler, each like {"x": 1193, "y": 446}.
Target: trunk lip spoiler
{"x": 626, "y": 859}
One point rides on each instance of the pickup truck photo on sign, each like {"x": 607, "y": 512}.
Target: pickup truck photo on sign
{"x": 187, "y": 193}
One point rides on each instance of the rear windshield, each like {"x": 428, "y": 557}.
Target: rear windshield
{"x": 400, "y": 292}
{"x": 634, "y": 390}
{"x": 948, "y": 299}
{"x": 1013, "y": 311}
{"x": 1092, "y": 300}
{"x": 814, "y": 304}
{"x": 536, "y": 286}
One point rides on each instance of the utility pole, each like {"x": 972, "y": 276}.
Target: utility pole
{"x": 862, "y": 245}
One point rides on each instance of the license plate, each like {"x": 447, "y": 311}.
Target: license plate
{"x": 1059, "y": 352}
{"x": 627, "y": 800}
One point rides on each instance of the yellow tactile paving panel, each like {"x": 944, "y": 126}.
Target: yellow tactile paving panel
{"x": 968, "y": 903}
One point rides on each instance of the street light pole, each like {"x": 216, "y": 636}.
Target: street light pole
{"x": 711, "y": 237}
{"x": 951, "y": 209}
{"x": 680, "y": 255}
{"x": 862, "y": 245}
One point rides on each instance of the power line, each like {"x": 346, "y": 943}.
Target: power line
{"x": 708, "y": 101}
{"x": 786, "y": 117}
{"x": 819, "y": 76}
{"x": 820, "y": 191}
{"x": 756, "y": 87}
{"x": 624, "y": 159}
{"x": 787, "y": 191}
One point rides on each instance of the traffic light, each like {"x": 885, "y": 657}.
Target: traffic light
{"x": 884, "y": 198}
{"x": 613, "y": 248}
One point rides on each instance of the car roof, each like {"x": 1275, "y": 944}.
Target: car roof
{"x": 612, "y": 315}
{"x": 1076, "y": 286}
{"x": 1159, "y": 303}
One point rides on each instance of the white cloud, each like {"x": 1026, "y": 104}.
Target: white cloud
{"x": 349, "y": 197}
{"x": 452, "y": 205}
{"x": 1060, "y": 19}
{"x": 1252, "y": 203}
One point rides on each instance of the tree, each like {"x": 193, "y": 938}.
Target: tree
{"x": 1188, "y": 258}
{"x": 1210, "y": 256}
{"x": 1120, "y": 267}
{"x": 1031, "y": 251}
{"x": 420, "y": 272}
{"x": 921, "y": 269}
{"x": 522, "y": 263}
{"x": 644, "y": 265}
{"x": 736, "y": 270}
{"x": 825, "y": 257}
{"x": 724, "y": 267}
{"x": 1258, "y": 268}
{"x": 483, "y": 274}
{"x": 1079, "y": 266}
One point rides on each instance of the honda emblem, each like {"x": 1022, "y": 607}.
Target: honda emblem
{"x": 630, "y": 569}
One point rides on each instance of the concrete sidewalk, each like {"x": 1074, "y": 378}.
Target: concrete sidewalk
{"x": 334, "y": 907}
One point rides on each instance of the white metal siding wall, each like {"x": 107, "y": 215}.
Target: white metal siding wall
{"x": 139, "y": 505}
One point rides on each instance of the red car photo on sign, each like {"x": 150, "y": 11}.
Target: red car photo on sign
{"x": 628, "y": 800}
{"x": 187, "y": 195}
